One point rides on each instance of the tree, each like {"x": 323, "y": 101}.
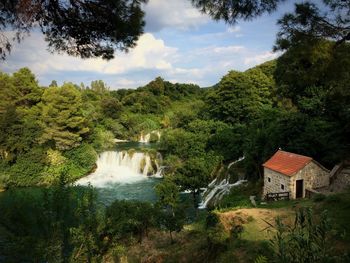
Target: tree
{"x": 128, "y": 218}
{"x": 111, "y": 107}
{"x": 237, "y": 98}
{"x": 171, "y": 215}
{"x": 305, "y": 241}
{"x": 82, "y": 28}
{"x": 310, "y": 23}
{"x": 53, "y": 84}
{"x": 20, "y": 90}
{"x": 19, "y": 96}
{"x": 156, "y": 86}
{"x": 231, "y": 11}
{"x": 62, "y": 121}
{"x": 99, "y": 86}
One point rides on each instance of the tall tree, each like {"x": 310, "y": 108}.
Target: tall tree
{"x": 63, "y": 122}
{"x": 239, "y": 96}
{"x": 85, "y": 28}
{"x": 232, "y": 10}
{"x": 309, "y": 23}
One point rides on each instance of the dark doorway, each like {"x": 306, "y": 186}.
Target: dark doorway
{"x": 299, "y": 189}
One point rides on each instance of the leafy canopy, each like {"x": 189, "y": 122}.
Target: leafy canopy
{"x": 84, "y": 28}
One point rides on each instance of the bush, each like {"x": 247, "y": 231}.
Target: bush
{"x": 27, "y": 168}
{"x": 318, "y": 197}
{"x": 102, "y": 139}
{"x": 84, "y": 156}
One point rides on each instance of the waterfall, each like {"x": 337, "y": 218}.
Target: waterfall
{"x": 218, "y": 188}
{"x": 218, "y": 191}
{"x": 236, "y": 161}
{"x": 121, "y": 167}
{"x": 145, "y": 138}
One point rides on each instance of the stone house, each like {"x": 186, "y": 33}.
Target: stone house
{"x": 293, "y": 173}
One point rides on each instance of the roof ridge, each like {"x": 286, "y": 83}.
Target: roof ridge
{"x": 287, "y": 163}
{"x": 293, "y": 153}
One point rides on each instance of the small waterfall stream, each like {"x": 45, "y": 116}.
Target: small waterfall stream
{"x": 122, "y": 167}
{"x": 146, "y": 138}
{"x": 218, "y": 188}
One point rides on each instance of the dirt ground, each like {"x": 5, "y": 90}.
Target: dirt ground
{"x": 257, "y": 222}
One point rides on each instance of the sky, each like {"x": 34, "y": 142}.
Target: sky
{"x": 180, "y": 44}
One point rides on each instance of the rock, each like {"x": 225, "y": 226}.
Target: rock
{"x": 252, "y": 200}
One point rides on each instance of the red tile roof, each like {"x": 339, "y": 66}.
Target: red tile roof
{"x": 287, "y": 163}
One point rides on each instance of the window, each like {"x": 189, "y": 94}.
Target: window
{"x": 282, "y": 186}
{"x": 269, "y": 179}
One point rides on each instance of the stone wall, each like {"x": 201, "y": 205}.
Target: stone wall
{"x": 313, "y": 175}
{"x": 276, "y": 179}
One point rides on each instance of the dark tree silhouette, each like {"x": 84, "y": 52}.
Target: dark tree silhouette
{"x": 232, "y": 10}
{"x": 309, "y": 23}
{"x": 96, "y": 28}
{"x": 84, "y": 28}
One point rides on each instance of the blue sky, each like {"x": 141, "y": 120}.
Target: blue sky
{"x": 180, "y": 44}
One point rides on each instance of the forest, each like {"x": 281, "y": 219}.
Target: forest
{"x": 52, "y": 136}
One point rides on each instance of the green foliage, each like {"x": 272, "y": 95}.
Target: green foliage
{"x": 129, "y": 218}
{"x": 217, "y": 236}
{"x": 102, "y": 139}
{"x": 63, "y": 122}
{"x": 306, "y": 241}
{"x": 168, "y": 193}
{"x": 228, "y": 142}
{"x": 99, "y": 86}
{"x": 337, "y": 206}
{"x": 21, "y": 89}
{"x": 181, "y": 113}
{"x": 232, "y": 11}
{"x": 309, "y": 23}
{"x": 145, "y": 102}
{"x": 182, "y": 143}
{"x": 212, "y": 219}
{"x": 171, "y": 219}
{"x": 53, "y": 225}
{"x": 240, "y": 96}
{"x": 92, "y": 30}
{"x": 27, "y": 169}
{"x": 84, "y": 156}
{"x": 319, "y": 198}
{"x": 171, "y": 215}
{"x": 111, "y": 107}
{"x": 261, "y": 259}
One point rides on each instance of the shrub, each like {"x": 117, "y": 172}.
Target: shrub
{"x": 84, "y": 156}
{"x": 319, "y": 197}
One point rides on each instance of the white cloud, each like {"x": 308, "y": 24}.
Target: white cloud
{"x": 152, "y": 57}
{"x": 148, "y": 54}
{"x": 259, "y": 58}
{"x": 228, "y": 49}
{"x": 179, "y": 14}
{"x": 234, "y": 29}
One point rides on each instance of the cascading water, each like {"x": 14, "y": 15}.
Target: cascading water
{"x": 122, "y": 167}
{"x": 145, "y": 138}
{"x": 217, "y": 192}
{"x": 218, "y": 188}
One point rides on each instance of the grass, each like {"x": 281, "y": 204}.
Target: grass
{"x": 191, "y": 243}
{"x": 239, "y": 196}
{"x": 290, "y": 204}
{"x": 338, "y": 207}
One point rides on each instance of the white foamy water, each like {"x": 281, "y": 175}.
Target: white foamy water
{"x": 145, "y": 138}
{"x": 218, "y": 191}
{"x": 119, "y": 168}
